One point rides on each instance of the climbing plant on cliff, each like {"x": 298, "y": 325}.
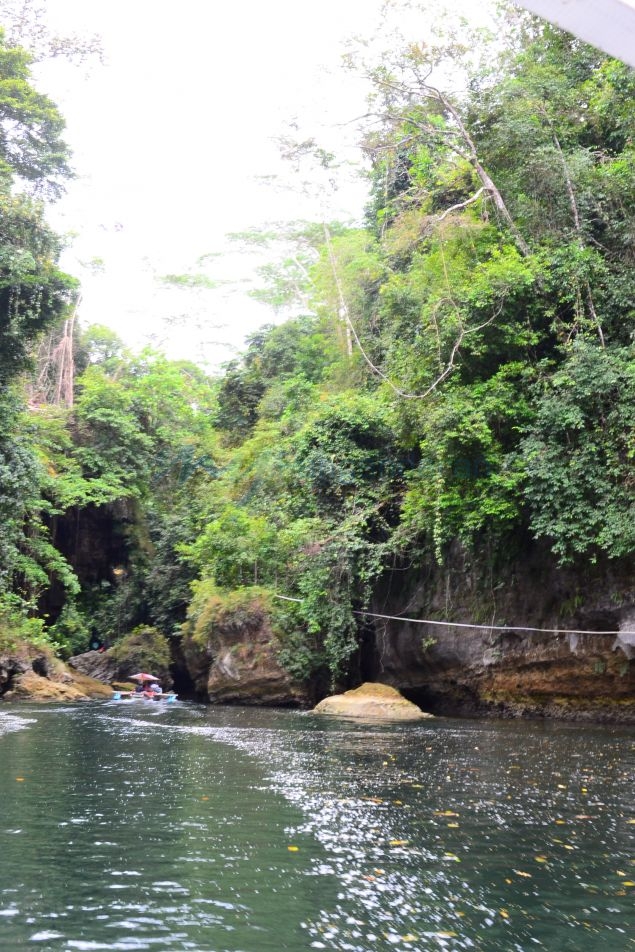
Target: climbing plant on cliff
{"x": 578, "y": 455}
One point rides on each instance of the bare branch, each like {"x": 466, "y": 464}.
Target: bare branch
{"x": 468, "y": 201}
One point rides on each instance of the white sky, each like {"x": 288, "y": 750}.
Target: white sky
{"x": 170, "y": 138}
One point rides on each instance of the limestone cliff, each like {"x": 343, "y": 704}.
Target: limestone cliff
{"x": 515, "y": 672}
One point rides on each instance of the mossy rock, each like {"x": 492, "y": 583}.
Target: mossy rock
{"x": 372, "y": 701}
{"x": 33, "y": 687}
{"x": 90, "y": 687}
{"x": 144, "y": 649}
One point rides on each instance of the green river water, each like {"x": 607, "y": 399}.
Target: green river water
{"x": 129, "y": 826}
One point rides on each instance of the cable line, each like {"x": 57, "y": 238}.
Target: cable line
{"x": 461, "y": 624}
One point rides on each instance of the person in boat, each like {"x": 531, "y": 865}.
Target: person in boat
{"x": 156, "y": 688}
{"x": 139, "y": 688}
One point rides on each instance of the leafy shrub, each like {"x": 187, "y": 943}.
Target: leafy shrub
{"x": 211, "y": 608}
{"x": 144, "y": 649}
{"x": 17, "y": 626}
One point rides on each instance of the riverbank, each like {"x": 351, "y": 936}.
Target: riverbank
{"x": 566, "y": 687}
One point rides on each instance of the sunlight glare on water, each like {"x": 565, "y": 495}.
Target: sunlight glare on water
{"x": 245, "y": 830}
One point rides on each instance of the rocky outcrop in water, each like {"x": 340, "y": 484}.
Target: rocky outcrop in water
{"x": 376, "y": 702}
{"x": 31, "y": 673}
{"x": 144, "y": 649}
{"x": 232, "y": 660}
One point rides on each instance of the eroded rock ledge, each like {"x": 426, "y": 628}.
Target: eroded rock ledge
{"x": 559, "y": 672}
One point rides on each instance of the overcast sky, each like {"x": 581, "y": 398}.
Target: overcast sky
{"x": 172, "y": 139}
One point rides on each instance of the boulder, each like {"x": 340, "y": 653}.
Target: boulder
{"x": 248, "y": 673}
{"x": 31, "y": 673}
{"x": 99, "y": 665}
{"x": 231, "y": 651}
{"x": 373, "y": 702}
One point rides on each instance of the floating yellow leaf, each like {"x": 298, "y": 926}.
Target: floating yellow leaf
{"x": 628, "y": 882}
{"x": 540, "y": 859}
{"x": 452, "y": 826}
{"x": 20, "y": 779}
{"x": 398, "y": 842}
{"x": 446, "y": 935}
{"x": 408, "y": 938}
{"x": 293, "y": 849}
{"x": 445, "y": 813}
{"x": 504, "y": 913}
{"x": 519, "y": 872}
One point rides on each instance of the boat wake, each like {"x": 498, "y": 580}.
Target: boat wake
{"x": 9, "y": 722}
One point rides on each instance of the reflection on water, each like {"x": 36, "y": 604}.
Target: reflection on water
{"x": 232, "y": 829}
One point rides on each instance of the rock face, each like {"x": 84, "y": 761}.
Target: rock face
{"x": 144, "y": 649}
{"x": 372, "y": 702}
{"x": 515, "y": 673}
{"x": 238, "y": 665}
{"x": 248, "y": 673}
{"x": 98, "y": 665}
{"x": 29, "y": 673}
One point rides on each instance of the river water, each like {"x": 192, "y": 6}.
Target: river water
{"x": 129, "y": 826}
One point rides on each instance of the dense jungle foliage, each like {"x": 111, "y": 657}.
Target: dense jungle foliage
{"x": 457, "y": 373}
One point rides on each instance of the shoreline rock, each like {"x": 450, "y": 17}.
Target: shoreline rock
{"x": 30, "y": 673}
{"x": 372, "y": 701}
